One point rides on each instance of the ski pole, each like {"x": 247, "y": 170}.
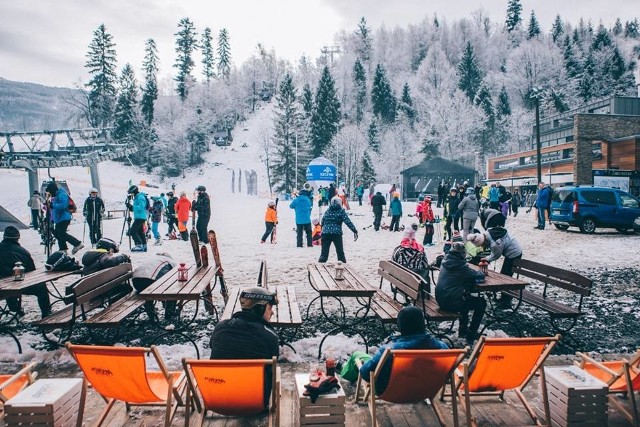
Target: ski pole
{"x": 84, "y": 228}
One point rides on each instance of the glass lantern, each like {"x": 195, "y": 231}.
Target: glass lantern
{"x": 183, "y": 273}
{"x": 484, "y": 266}
{"x": 339, "y": 271}
{"x": 18, "y": 272}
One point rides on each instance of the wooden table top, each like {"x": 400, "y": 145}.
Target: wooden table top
{"x": 10, "y": 287}
{"x": 322, "y": 278}
{"x": 496, "y": 282}
{"x": 168, "y": 288}
{"x": 285, "y": 314}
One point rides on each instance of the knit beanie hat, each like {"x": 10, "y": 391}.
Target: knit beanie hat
{"x": 409, "y": 233}
{"x": 336, "y": 201}
{"x": 477, "y": 239}
{"x": 457, "y": 247}
{"x": 411, "y": 321}
{"x": 11, "y": 233}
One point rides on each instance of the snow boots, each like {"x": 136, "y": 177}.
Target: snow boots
{"x": 158, "y": 242}
{"x": 139, "y": 248}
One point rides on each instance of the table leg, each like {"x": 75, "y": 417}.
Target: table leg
{"x": 344, "y": 326}
{"x": 508, "y": 315}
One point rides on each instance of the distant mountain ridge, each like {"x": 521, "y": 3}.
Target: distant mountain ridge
{"x": 33, "y": 107}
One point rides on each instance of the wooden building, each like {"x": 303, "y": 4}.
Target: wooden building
{"x": 425, "y": 177}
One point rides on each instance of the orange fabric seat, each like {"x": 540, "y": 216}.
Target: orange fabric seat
{"x": 10, "y": 385}
{"x": 232, "y": 388}
{"x": 120, "y": 374}
{"x": 497, "y": 365}
{"x": 622, "y": 376}
{"x": 416, "y": 375}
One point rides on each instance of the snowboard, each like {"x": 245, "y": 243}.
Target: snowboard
{"x": 195, "y": 244}
{"x": 213, "y": 241}
{"x": 274, "y": 234}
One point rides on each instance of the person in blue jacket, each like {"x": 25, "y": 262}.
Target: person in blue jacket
{"x": 138, "y": 204}
{"x": 412, "y": 337}
{"x": 494, "y": 197}
{"x": 302, "y": 205}
{"x": 396, "y": 212}
{"x": 61, "y": 217}
{"x": 332, "y": 230}
{"x": 543, "y": 202}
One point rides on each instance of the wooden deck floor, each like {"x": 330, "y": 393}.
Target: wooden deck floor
{"x": 488, "y": 411}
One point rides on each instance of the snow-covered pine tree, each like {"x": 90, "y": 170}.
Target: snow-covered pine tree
{"x": 186, "y": 44}
{"x": 469, "y": 75}
{"x": 504, "y": 106}
{"x": 325, "y": 118}
{"x": 367, "y": 172}
{"x": 406, "y": 105}
{"x": 286, "y": 124}
{"x": 632, "y": 29}
{"x": 383, "y": 101}
{"x": 586, "y": 81}
{"x": 617, "y": 28}
{"x": 224, "y": 55}
{"x": 533, "y": 29}
{"x": 557, "y": 30}
{"x": 360, "y": 87}
{"x": 364, "y": 46}
{"x": 208, "y": 60}
{"x": 514, "y": 15}
{"x": 602, "y": 40}
{"x": 373, "y": 136}
{"x": 571, "y": 63}
{"x": 306, "y": 100}
{"x": 150, "y": 88}
{"x": 101, "y": 65}
{"x": 127, "y": 123}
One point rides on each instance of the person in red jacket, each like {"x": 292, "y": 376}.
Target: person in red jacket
{"x": 419, "y": 209}
{"x": 427, "y": 219}
{"x": 183, "y": 208}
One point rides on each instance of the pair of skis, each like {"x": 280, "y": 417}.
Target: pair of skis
{"x": 274, "y": 234}
{"x": 201, "y": 255}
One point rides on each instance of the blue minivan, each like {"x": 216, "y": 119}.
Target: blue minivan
{"x": 590, "y": 207}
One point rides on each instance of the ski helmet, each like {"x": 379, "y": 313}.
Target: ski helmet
{"x": 107, "y": 244}
{"x": 201, "y": 188}
{"x": 133, "y": 189}
{"x": 170, "y": 193}
{"x": 93, "y": 190}
{"x": 256, "y": 299}
{"x": 453, "y": 189}
{"x": 271, "y": 204}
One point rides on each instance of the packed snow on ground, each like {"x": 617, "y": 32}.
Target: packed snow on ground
{"x": 238, "y": 220}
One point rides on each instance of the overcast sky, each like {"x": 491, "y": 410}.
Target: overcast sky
{"x": 46, "y": 41}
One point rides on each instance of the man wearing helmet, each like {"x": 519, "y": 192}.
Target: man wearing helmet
{"x": 105, "y": 255}
{"x": 202, "y": 205}
{"x": 248, "y": 334}
{"x": 140, "y": 214}
{"x": 93, "y": 211}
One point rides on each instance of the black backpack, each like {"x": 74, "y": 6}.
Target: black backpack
{"x": 59, "y": 261}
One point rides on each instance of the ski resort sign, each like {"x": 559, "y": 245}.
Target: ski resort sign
{"x": 321, "y": 172}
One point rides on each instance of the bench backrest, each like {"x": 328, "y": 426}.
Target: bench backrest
{"x": 548, "y": 275}
{"x": 406, "y": 281}
{"x": 100, "y": 283}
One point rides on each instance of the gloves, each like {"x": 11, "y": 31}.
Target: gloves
{"x": 355, "y": 236}
{"x": 322, "y": 386}
{"x": 129, "y": 206}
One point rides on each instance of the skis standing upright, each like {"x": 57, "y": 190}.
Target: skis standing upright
{"x": 274, "y": 234}
{"x": 213, "y": 241}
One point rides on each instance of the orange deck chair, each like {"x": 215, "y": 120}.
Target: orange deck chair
{"x": 12, "y": 384}
{"x": 231, "y": 387}
{"x": 416, "y": 375}
{"x": 622, "y": 376}
{"x": 120, "y": 374}
{"x": 497, "y": 365}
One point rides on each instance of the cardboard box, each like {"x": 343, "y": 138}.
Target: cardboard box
{"x": 47, "y": 402}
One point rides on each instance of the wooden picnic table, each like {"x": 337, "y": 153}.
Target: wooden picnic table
{"x": 10, "y": 288}
{"x": 353, "y": 285}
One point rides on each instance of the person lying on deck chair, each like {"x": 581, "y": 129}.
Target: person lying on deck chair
{"x": 412, "y": 337}
{"x": 248, "y": 334}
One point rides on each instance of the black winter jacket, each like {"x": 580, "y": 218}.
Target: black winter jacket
{"x": 93, "y": 209}
{"x": 171, "y": 205}
{"x": 101, "y": 259}
{"x": 377, "y": 202}
{"x": 202, "y": 205}
{"x": 10, "y": 253}
{"x": 455, "y": 281}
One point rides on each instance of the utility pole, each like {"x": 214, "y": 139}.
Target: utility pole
{"x": 535, "y": 94}
{"x": 329, "y": 51}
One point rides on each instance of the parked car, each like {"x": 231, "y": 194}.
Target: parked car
{"x": 636, "y": 225}
{"x": 589, "y": 207}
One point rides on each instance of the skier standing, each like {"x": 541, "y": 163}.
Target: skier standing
{"x": 170, "y": 213}
{"x": 35, "y": 203}
{"x": 156, "y": 218}
{"x": 396, "y": 212}
{"x": 140, "y": 214}
{"x": 270, "y": 220}
{"x": 377, "y": 202}
{"x": 61, "y": 217}
{"x": 332, "y": 230}
{"x": 202, "y": 206}
{"x": 93, "y": 210}
{"x": 183, "y": 207}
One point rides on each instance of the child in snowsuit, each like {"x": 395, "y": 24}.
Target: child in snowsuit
{"x": 427, "y": 218}
{"x": 156, "y": 218}
{"x": 317, "y": 233}
{"x": 270, "y": 220}
{"x": 396, "y": 212}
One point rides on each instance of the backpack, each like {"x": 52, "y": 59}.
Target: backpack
{"x": 59, "y": 261}
{"x": 71, "y": 207}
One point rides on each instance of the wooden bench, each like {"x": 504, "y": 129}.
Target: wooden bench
{"x": 87, "y": 295}
{"x": 286, "y": 314}
{"x": 570, "y": 286}
{"x": 415, "y": 290}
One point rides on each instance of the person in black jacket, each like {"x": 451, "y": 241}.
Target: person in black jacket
{"x": 202, "y": 206}
{"x": 377, "y": 202}
{"x": 248, "y": 334}
{"x": 10, "y": 253}
{"x": 455, "y": 282}
{"x": 451, "y": 211}
{"x": 104, "y": 256}
{"x": 93, "y": 210}
{"x": 172, "y": 219}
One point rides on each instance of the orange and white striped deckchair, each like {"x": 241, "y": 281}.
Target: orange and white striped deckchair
{"x": 232, "y": 388}
{"x": 497, "y": 365}
{"x": 120, "y": 374}
{"x": 12, "y": 384}
{"x": 416, "y": 375}
{"x": 622, "y": 376}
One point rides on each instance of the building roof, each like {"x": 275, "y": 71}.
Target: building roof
{"x": 439, "y": 165}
